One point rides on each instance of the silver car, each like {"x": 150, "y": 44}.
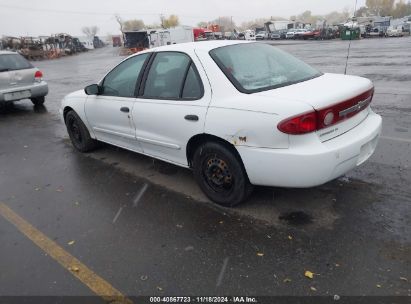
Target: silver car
{"x": 19, "y": 79}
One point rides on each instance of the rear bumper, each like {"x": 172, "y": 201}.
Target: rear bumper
{"x": 312, "y": 164}
{"x": 35, "y": 90}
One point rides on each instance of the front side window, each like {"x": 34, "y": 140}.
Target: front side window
{"x": 255, "y": 67}
{"x": 122, "y": 80}
{"x": 12, "y": 62}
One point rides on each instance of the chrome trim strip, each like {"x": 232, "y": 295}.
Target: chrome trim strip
{"x": 355, "y": 108}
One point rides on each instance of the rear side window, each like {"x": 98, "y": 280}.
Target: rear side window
{"x": 12, "y": 62}
{"x": 166, "y": 75}
{"x": 192, "y": 87}
{"x": 172, "y": 76}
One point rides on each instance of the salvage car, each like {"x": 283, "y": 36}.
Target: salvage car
{"x": 19, "y": 79}
{"x": 395, "y": 31}
{"x": 237, "y": 113}
{"x": 280, "y": 34}
{"x": 291, "y": 33}
{"x": 263, "y": 35}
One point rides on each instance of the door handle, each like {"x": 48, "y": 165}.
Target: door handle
{"x": 125, "y": 109}
{"x": 191, "y": 117}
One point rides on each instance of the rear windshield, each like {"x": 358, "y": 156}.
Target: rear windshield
{"x": 11, "y": 62}
{"x": 255, "y": 67}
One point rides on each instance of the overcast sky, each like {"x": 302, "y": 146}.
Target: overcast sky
{"x": 45, "y": 17}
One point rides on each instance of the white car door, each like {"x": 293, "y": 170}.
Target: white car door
{"x": 109, "y": 112}
{"x": 171, "y": 106}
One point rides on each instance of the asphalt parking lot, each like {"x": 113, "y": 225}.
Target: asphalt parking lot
{"x": 143, "y": 227}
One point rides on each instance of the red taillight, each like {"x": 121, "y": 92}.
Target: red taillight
{"x": 323, "y": 118}
{"x": 38, "y": 75}
{"x": 304, "y": 123}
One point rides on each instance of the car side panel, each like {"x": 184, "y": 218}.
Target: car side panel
{"x": 246, "y": 128}
{"x": 162, "y": 130}
{"x": 161, "y": 127}
{"x": 109, "y": 123}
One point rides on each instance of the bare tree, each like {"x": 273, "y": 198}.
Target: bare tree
{"x": 226, "y": 23}
{"x": 380, "y": 7}
{"x": 90, "y": 31}
{"x": 253, "y": 24}
{"x": 402, "y": 9}
{"x": 120, "y": 22}
{"x": 362, "y": 12}
{"x": 336, "y": 17}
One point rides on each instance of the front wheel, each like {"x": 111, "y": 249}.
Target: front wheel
{"x": 79, "y": 135}
{"x": 221, "y": 175}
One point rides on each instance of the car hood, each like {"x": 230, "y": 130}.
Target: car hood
{"x": 322, "y": 91}
{"x": 75, "y": 94}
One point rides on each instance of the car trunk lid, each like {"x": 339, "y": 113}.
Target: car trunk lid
{"x": 22, "y": 77}
{"x": 347, "y": 96}
{"x": 4, "y": 79}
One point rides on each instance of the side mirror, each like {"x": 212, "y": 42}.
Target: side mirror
{"x": 92, "y": 89}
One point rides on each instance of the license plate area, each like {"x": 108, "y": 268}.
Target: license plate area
{"x": 17, "y": 95}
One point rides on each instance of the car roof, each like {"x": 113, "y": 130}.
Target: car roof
{"x": 7, "y": 53}
{"x": 199, "y": 45}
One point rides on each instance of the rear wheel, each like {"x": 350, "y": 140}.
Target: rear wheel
{"x": 38, "y": 101}
{"x": 221, "y": 175}
{"x": 79, "y": 135}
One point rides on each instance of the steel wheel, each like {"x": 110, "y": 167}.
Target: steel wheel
{"x": 217, "y": 175}
{"x": 220, "y": 173}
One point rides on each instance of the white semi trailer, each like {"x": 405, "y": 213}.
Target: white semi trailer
{"x": 175, "y": 35}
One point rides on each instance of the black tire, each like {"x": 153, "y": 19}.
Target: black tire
{"x": 38, "y": 101}
{"x": 79, "y": 135}
{"x": 221, "y": 174}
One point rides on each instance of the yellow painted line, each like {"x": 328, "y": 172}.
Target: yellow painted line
{"x": 88, "y": 277}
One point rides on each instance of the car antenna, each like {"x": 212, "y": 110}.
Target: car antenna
{"x": 349, "y": 45}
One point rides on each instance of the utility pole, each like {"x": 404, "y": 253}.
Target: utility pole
{"x": 232, "y": 27}
{"x": 162, "y": 20}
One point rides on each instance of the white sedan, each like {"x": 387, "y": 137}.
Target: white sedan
{"x": 237, "y": 113}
